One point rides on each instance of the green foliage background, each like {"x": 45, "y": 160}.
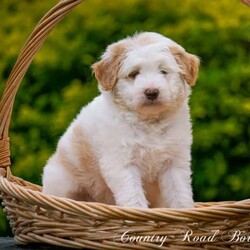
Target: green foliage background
{"x": 59, "y": 81}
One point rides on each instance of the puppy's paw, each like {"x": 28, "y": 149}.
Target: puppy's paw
{"x": 136, "y": 203}
{"x": 187, "y": 203}
{"x": 142, "y": 204}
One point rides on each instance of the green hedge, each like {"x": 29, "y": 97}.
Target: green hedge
{"x": 59, "y": 81}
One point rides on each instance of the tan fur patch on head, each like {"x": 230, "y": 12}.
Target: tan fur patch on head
{"x": 145, "y": 39}
{"x": 189, "y": 64}
{"x": 106, "y": 70}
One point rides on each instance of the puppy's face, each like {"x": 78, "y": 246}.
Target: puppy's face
{"x": 147, "y": 73}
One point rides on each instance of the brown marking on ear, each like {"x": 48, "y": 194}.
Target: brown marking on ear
{"x": 106, "y": 70}
{"x": 189, "y": 64}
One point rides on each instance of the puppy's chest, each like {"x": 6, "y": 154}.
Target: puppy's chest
{"x": 152, "y": 153}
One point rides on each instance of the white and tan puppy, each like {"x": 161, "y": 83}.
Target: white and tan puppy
{"x": 131, "y": 145}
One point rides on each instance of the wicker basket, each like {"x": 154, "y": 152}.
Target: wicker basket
{"x": 36, "y": 217}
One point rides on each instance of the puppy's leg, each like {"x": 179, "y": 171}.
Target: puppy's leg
{"x": 56, "y": 179}
{"x": 125, "y": 184}
{"x": 175, "y": 187}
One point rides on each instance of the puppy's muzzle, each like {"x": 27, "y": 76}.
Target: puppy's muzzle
{"x": 151, "y": 94}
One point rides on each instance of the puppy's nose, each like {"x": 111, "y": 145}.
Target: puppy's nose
{"x": 151, "y": 94}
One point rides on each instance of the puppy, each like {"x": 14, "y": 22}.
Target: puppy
{"x": 131, "y": 145}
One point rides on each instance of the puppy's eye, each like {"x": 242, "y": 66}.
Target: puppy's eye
{"x": 134, "y": 74}
{"x": 164, "y": 72}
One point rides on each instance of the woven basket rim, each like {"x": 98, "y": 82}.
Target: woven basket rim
{"x": 209, "y": 211}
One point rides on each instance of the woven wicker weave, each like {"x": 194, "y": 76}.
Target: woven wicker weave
{"x": 36, "y": 217}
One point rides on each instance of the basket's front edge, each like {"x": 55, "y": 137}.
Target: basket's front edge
{"x": 31, "y": 47}
{"x": 36, "y": 217}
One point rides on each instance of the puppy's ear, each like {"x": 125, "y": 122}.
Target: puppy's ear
{"x": 106, "y": 70}
{"x": 188, "y": 63}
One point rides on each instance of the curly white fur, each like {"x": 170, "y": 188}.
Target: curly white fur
{"x": 128, "y": 147}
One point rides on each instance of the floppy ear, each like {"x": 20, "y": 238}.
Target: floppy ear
{"x": 105, "y": 72}
{"x": 188, "y": 63}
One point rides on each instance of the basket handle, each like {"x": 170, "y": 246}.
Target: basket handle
{"x": 29, "y": 50}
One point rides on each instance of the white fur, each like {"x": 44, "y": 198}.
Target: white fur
{"x": 141, "y": 148}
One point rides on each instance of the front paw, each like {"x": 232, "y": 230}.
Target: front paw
{"x": 188, "y": 203}
{"x": 133, "y": 202}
